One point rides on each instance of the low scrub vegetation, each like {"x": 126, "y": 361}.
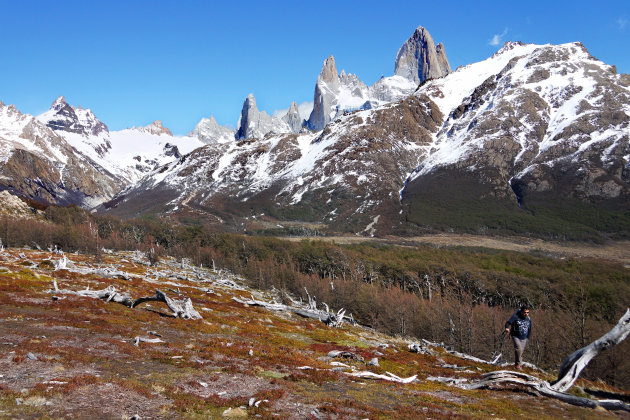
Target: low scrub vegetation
{"x": 458, "y": 296}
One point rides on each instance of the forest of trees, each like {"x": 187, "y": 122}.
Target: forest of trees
{"x": 461, "y": 297}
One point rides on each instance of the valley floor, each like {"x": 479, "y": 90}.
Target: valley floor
{"x": 618, "y": 251}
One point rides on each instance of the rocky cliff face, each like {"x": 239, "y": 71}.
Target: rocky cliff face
{"x": 419, "y": 59}
{"x": 326, "y": 90}
{"x": 255, "y": 124}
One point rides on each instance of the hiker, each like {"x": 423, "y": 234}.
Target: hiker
{"x": 519, "y": 326}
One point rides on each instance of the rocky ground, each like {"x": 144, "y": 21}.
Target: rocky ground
{"x": 67, "y": 356}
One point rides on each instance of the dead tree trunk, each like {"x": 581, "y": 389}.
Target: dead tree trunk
{"x": 577, "y": 361}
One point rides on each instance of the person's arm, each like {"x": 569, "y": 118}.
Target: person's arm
{"x": 510, "y": 322}
{"x": 529, "y": 331}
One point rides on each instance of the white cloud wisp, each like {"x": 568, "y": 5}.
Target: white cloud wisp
{"x": 497, "y": 39}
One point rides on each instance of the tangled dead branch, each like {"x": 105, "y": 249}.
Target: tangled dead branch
{"x": 181, "y": 308}
{"x": 329, "y": 318}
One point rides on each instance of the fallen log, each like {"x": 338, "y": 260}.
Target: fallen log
{"x": 139, "y": 339}
{"x": 181, "y": 308}
{"x": 543, "y": 388}
{"x": 387, "y": 377}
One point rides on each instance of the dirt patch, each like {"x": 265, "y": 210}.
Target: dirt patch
{"x": 110, "y": 401}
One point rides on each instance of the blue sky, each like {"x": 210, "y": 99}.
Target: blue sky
{"x": 133, "y": 62}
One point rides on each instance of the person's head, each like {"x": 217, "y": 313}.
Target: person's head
{"x": 524, "y": 310}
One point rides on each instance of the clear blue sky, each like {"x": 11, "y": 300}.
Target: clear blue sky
{"x": 133, "y": 62}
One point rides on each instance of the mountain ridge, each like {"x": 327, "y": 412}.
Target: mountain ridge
{"x": 533, "y": 128}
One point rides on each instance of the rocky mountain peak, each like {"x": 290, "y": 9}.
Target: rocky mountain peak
{"x": 326, "y": 90}
{"x": 293, "y": 118}
{"x": 255, "y": 123}
{"x": 59, "y": 103}
{"x": 64, "y": 117}
{"x": 9, "y": 110}
{"x": 329, "y": 72}
{"x": 419, "y": 59}
{"x": 156, "y": 128}
{"x": 209, "y": 131}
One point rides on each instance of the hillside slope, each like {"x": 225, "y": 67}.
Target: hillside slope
{"x": 65, "y": 355}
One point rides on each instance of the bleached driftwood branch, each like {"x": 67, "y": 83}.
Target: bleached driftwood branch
{"x": 544, "y": 388}
{"x": 181, "y": 308}
{"x": 329, "y": 318}
{"x": 577, "y": 361}
{"x": 139, "y": 339}
{"x": 387, "y": 377}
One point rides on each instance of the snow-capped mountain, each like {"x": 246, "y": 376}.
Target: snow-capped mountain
{"x": 533, "y": 124}
{"x": 156, "y": 128}
{"x": 531, "y": 118}
{"x": 126, "y": 154}
{"x": 536, "y": 135}
{"x": 38, "y": 163}
{"x": 67, "y": 156}
{"x": 63, "y": 117}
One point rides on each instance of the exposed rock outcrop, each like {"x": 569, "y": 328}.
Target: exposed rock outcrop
{"x": 336, "y": 94}
{"x": 419, "y": 59}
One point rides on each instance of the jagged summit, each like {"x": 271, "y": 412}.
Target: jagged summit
{"x": 64, "y": 117}
{"x": 326, "y": 91}
{"x": 293, "y": 118}
{"x": 329, "y": 72}
{"x": 254, "y": 123}
{"x": 209, "y": 131}
{"x": 419, "y": 59}
{"x": 336, "y": 94}
{"x": 59, "y": 103}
